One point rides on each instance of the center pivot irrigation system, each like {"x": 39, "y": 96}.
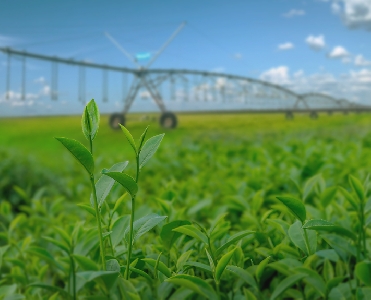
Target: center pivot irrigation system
{"x": 203, "y": 91}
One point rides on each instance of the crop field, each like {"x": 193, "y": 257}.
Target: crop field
{"x": 226, "y": 206}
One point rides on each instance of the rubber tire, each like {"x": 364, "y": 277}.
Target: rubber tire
{"x": 289, "y": 115}
{"x": 115, "y": 119}
{"x": 313, "y": 115}
{"x": 168, "y": 120}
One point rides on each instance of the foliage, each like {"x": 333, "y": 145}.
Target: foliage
{"x": 208, "y": 218}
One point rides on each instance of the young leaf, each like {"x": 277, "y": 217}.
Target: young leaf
{"x": 125, "y": 180}
{"x": 112, "y": 265}
{"x": 141, "y": 139}
{"x": 149, "y": 148}
{"x": 328, "y": 226}
{"x": 183, "y": 259}
{"x": 297, "y": 236}
{"x": 223, "y": 262}
{"x": 193, "y": 232}
{"x": 105, "y": 183}
{"x": 211, "y": 262}
{"x": 129, "y": 137}
{"x": 363, "y": 272}
{"x": 85, "y": 263}
{"x": 198, "y": 265}
{"x": 160, "y": 266}
{"x": 357, "y": 187}
{"x": 285, "y": 284}
{"x": 168, "y": 236}
{"x": 233, "y": 239}
{"x": 141, "y": 273}
{"x": 327, "y": 195}
{"x": 90, "y": 120}
{"x": 195, "y": 284}
{"x": 52, "y": 288}
{"x": 348, "y": 197}
{"x": 147, "y": 226}
{"x": 296, "y": 206}
{"x": 261, "y": 267}
{"x": 314, "y": 279}
{"x": 80, "y": 152}
{"x": 244, "y": 275}
{"x": 108, "y": 278}
{"x": 59, "y": 244}
{"x": 310, "y": 184}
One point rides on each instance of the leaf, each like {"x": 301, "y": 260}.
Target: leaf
{"x": 309, "y": 185}
{"x": 125, "y": 180}
{"x": 244, "y": 275}
{"x": 261, "y": 267}
{"x": 129, "y": 137}
{"x": 87, "y": 208}
{"x": 90, "y": 120}
{"x": 198, "y": 265}
{"x": 149, "y": 148}
{"x": 285, "y": 284}
{"x": 41, "y": 252}
{"x": 168, "y": 236}
{"x": 108, "y": 278}
{"x": 141, "y": 273}
{"x": 118, "y": 229}
{"x": 363, "y": 272}
{"x": 183, "y": 259}
{"x": 296, "y": 206}
{"x": 112, "y": 265}
{"x": 50, "y": 288}
{"x": 142, "y": 228}
{"x": 85, "y": 263}
{"x": 328, "y": 195}
{"x": 57, "y": 243}
{"x": 80, "y": 152}
{"x": 105, "y": 183}
{"x": 349, "y": 197}
{"x": 211, "y": 262}
{"x": 142, "y": 137}
{"x": 195, "y": 284}
{"x": 193, "y": 232}
{"x": 220, "y": 267}
{"x": 328, "y": 226}
{"x": 357, "y": 187}
{"x": 314, "y": 279}
{"x": 233, "y": 239}
{"x": 161, "y": 266}
{"x": 297, "y": 236}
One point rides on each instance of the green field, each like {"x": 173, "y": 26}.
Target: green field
{"x": 219, "y": 170}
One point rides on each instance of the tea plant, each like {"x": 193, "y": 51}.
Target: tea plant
{"x": 210, "y": 218}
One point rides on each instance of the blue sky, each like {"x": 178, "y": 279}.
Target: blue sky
{"x": 307, "y": 45}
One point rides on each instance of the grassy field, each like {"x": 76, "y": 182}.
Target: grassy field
{"x": 208, "y": 221}
{"x": 35, "y": 136}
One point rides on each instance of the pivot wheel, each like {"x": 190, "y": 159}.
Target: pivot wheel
{"x": 116, "y": 119}
{"x": 313, "y": 115}
{"x": 168, "y": 120}
{"x": 289, "y": 115}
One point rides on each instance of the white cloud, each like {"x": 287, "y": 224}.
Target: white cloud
{"x": 285, "y": 46}
{"x": 353, "y": 85}
{"x": 279, "y": 75}
{"x": 338, "y": 52}
{"x": 316, "y": 42}
{"x": 360, "y": 61}
{"x": 354, "y": 13}
{"x": 293, "y": 13}
{"x": 237, "y": 56}
{"x": 7, "y": 40}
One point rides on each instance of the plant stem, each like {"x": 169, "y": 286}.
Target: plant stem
{"x": 306, "y": 241}
{"x": 110, "y": 239}
{"x": 72, "y": 267}
{"x": 130, "y": 249}
{"x": 97, "y": 214}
